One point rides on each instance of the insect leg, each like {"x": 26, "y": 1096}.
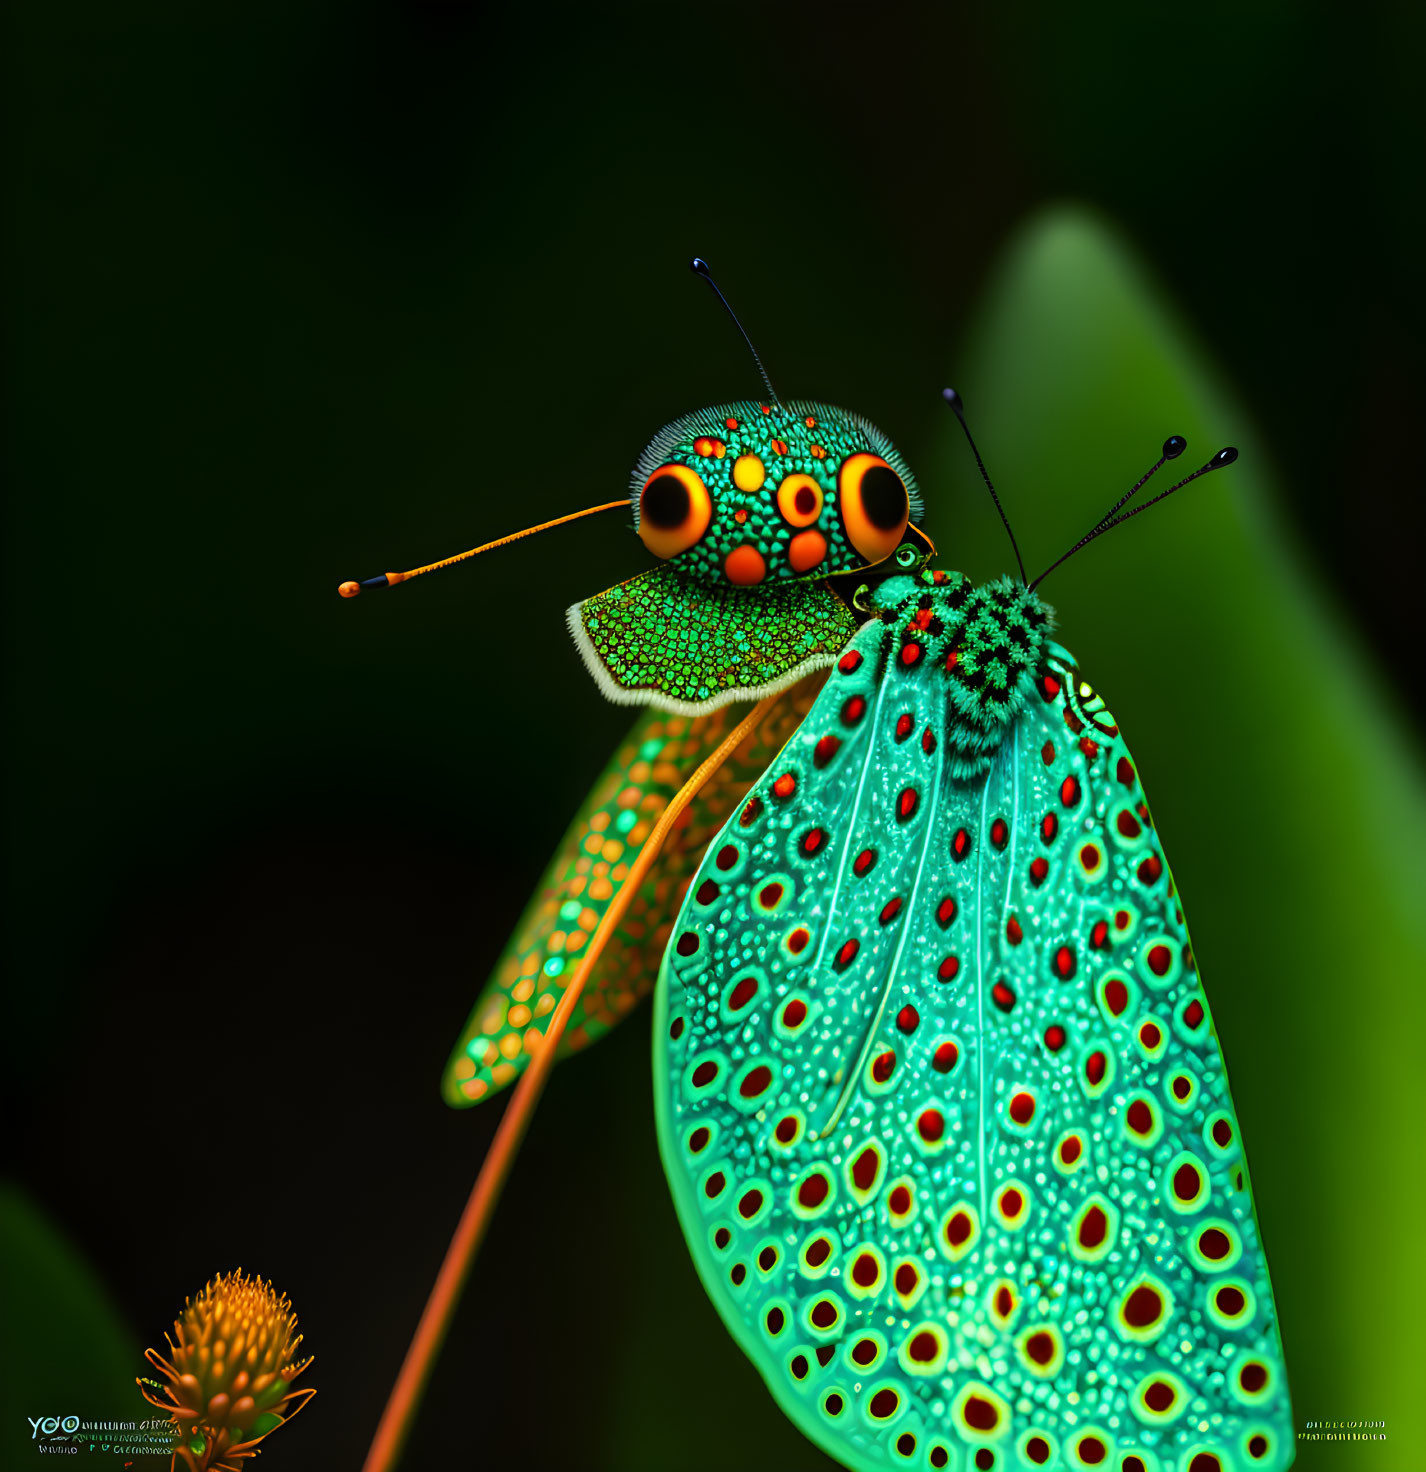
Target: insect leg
{"x": 440, "y": 1307}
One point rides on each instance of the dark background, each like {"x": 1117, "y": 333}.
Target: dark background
{"x": 305, "y": 294}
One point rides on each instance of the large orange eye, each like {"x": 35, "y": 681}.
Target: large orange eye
{"x": 799, "y": 498}
{"x": 875, "y": 506}
{"x": 674, "y": 510}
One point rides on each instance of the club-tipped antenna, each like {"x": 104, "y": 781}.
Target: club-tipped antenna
{"x": 1174, "y": 446}
{"x": 390, "y": 579}
{"x": 700, "y": 268}
{"x": 958, "y": 408}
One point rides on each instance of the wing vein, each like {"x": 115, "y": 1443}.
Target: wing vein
{"x": 981, "y": 919}
{"x": 875, "y": 1025}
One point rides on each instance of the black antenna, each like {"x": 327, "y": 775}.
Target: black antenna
{"x": 958, "y": 408}
{"x": 700, "y": 267}
{"x": 1174, "y": 446}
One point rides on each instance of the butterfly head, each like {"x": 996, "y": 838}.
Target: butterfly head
{"x": 752, "y": 493}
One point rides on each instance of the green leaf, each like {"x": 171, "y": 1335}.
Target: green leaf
{"x": 1288, "y": 796}
{"x": 68, "y": 1352}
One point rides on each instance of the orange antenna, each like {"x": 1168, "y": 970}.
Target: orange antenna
{"x": 390, "y": 579}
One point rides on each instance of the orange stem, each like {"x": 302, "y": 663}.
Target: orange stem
{"x": 405, "y": 1398}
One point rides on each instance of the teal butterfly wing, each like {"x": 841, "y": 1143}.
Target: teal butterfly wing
{"x": 938, "y": 1093}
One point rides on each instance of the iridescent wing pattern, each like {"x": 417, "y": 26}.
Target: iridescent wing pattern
{"x": 938, "y": 1091}
{"x": 586, "y": 872}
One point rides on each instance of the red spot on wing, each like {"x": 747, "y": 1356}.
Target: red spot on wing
{"x": 757, "y": 1082}
{"x": 813, "y": 1191}
{"x": 1093, "y": 1227}
{"x": 742, "y": 994}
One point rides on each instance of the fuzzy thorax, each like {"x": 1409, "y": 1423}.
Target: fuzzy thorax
{"x": 989, "y": 641}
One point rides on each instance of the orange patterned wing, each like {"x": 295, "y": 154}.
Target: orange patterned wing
{"x": 592, "y": 861}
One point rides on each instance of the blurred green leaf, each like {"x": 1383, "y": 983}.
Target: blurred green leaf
{"x": 1289, "y": 798}
{"x": 67, "y": 1350}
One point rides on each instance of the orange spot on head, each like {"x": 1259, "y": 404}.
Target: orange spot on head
{"x": 806, "y": 550}
{"x": 780, "y": 446}
{"x": 817, "y": 452}
{"x": 810, "y": 422}
{"x": 744, "y": 566}
{"x": 740, "y": 515}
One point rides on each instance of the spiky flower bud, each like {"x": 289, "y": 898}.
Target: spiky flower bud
{"x": 229, "y": 1382}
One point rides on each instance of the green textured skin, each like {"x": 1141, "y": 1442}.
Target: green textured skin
{"x": 871, "y": 1145}
{"x": 689, "y": 647}
{"x": 760, "y": 428}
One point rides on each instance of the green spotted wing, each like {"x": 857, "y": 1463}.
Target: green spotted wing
{"x": 938, "y": 1092}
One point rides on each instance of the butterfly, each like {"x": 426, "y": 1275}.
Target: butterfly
{"x": 937, "y": 1090}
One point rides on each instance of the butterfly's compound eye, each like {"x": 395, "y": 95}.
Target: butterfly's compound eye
{"x": 674, "y": 510}
{"x": 875, "y": 506}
